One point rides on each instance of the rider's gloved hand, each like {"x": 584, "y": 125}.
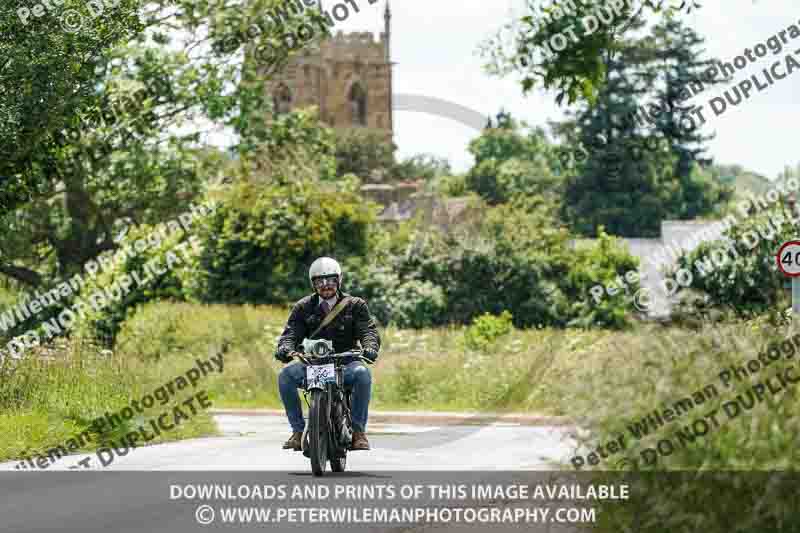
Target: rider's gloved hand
{"x": 370, "y": 354}
{"x": 284, "y": 355}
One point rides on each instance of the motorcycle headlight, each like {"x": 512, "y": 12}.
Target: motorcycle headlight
{"x": 318, "y": 348}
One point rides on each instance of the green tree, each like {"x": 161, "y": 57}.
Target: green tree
{"x": 512, "y": 160}
{"x": 260, "y": 241}
{"x": 47, "y": 77}
{"x": 426, "y": 167}
{"x": 293, "y": 144}
{"x": 632, "y": 177}
{"x": 526, "y": 265}
{"x": 677, "y": 69}
{"x": 108, "y": 118}
{"x": 120, "y": 162}
{"x": 618, "y": 187}
{"x": 362, "y": 151}
{"x": 579, "y": 69}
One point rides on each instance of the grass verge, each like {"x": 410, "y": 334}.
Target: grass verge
{"x": 46, "y": 400}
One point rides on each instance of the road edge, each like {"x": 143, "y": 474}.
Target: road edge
{"x": 427, "y": 417}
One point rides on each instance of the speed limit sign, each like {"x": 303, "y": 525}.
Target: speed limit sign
{"x": 789, "y": 258}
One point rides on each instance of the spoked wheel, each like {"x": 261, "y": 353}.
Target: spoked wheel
{"x": 338, "y": 464}
{"x": 318, "y": 432}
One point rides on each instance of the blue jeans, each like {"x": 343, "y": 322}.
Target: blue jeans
{"x": 355, "y": 376}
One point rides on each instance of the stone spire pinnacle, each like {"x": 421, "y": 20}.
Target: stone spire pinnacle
{"x": 387, "y": 18}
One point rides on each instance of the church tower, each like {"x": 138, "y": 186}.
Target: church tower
{"x": 348, "y": 78}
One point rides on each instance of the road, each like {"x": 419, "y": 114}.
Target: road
{"x": 249, "y": 453}
{"x": 254, "y": 443}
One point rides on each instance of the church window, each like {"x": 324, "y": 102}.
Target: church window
{"x": 358, "y": 104}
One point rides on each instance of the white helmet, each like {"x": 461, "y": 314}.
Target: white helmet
{"x": 324, "y": 266}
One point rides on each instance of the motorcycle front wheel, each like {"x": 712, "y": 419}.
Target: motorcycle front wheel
{"x": 318, "y": 432}
{"x": 338, "y": 464}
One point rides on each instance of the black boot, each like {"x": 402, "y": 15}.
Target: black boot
{"x": 360, "y": 441}
{"x": 294, "y": 442}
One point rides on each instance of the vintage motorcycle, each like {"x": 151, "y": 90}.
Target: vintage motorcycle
{"x": 329, "y": 431}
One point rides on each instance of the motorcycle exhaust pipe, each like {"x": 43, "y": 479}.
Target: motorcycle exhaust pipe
{"x": 346, "y": 436}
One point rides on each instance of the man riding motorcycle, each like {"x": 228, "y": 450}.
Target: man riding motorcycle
{"x": 352, "y": 323}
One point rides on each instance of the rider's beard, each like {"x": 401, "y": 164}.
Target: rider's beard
{"x": 327, "y": 292}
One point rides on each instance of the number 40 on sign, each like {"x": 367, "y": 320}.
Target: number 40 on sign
{"x": 789, "y": 263}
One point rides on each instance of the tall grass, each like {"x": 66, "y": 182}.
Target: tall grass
{"x": 163, "y": 333}
{"x": 54, "y": 394}
{"x": 723, "y": 487}
{"x": 420, "y": 369}
{"x": 629, "y": 378}
{"x": 602, "y": 380}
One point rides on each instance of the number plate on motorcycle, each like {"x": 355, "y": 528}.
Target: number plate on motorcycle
{"x": 319, "y": 375}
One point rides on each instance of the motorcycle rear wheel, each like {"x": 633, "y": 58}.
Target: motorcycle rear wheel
{"x": 318, "y": 432}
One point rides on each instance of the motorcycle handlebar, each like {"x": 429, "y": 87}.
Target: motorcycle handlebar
{"x": 353, "y": 353}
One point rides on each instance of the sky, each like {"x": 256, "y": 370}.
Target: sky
{"x": 435, "y": 48}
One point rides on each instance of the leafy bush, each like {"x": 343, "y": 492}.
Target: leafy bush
{"x": 744, "y": 279}
{"x": 425, "y": 167}
{"x": 512, "y": 160}
{"x": 170, "y": 252}
{"x": 486, "y": 329}
{"x": 450, "y": 185}
{"x": 600, "y": 263}
{"x": 516, "y": 258}
{"x": 291, "y": 145}
{"x": 415, "y": 303}
{"x": 406, "y": 304}
{"x": 521, "y": 261}
{"x": 261, "y": 240}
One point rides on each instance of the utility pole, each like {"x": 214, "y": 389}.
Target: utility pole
{"x": 791, "y": 201}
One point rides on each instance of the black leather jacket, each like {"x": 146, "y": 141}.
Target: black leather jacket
{"x": 353, "y": 323}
